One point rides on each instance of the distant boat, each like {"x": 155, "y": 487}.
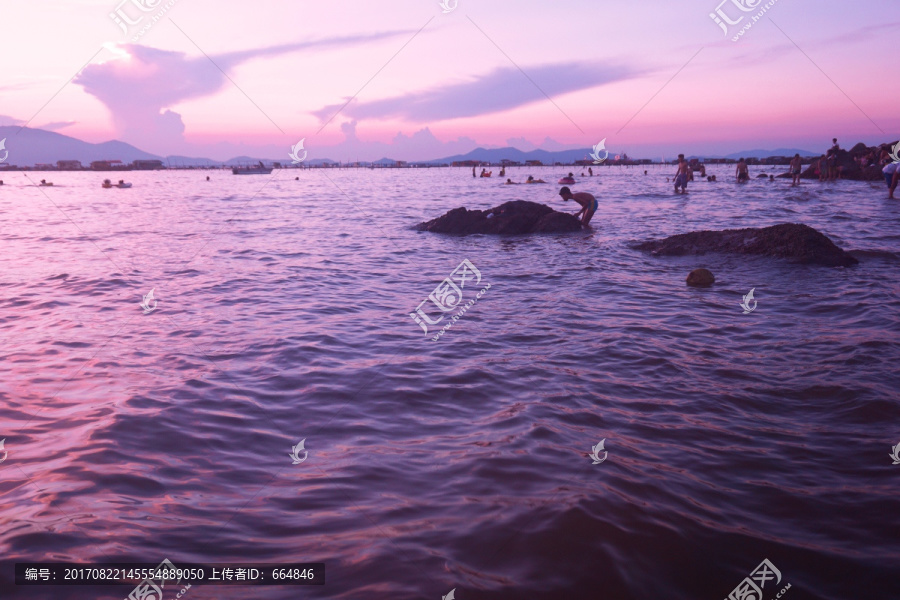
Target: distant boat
{"x": 260, "y": 169}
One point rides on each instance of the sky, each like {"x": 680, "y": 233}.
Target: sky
{"x": 362, "y": 80}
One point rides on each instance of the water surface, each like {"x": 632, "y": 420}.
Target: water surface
{"x": 283, "y": 314}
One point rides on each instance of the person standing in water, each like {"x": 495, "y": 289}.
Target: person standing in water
{"x": 473, "y": 172}
{"x": 590, "y": 171}
{"x": 741, "y": 172}
{"x": 795, "y": 170}
{"x": 681, "y": 175}
{"x": 890, "y": 172}
{"x": 587, "y": 201}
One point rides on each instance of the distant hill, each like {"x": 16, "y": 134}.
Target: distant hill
{"x": 28, "y": 147}
{"x": 495, "y": 155}
{"x": 768, "y": 153}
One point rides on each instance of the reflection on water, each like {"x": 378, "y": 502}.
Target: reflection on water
{"x": 283, "y": 315}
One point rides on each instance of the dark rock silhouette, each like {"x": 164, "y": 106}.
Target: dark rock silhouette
{"x": 701, "y": 277}
{"x": 792, "y": 241}
{"x": 515, "y": 217}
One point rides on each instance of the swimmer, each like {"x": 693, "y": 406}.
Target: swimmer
{"x": 795, "y": 170}
{"x": 587, "y": 201}
{"x": 681, "y": 175}
{"x": 890, "y": 177}
{"x": 741, "y": 172}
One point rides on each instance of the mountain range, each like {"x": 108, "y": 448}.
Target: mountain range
{"x": 30, "y": 147}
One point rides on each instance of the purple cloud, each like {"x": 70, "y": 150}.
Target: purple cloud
{"x": 138, "y": 90}
{"x": 503, "y": 89}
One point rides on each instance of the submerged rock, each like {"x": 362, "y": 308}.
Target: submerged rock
{"x": 792, "y": 241}
{"x": 515, "y": 217}
{"x": 700, "y": 277}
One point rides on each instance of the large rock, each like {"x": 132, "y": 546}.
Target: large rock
{"x": 792, "y": 241}
{"x": 516, "y": 217}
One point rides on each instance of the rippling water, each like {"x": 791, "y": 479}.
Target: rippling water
{"x": 283, "y": 314}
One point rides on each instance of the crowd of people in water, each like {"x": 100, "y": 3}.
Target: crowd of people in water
{"x": 825, "y": 167}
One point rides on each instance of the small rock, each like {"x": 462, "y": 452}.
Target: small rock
{"x": 700, "y": 277}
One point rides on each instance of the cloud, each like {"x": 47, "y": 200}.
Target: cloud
{"x": 503, "y": 89}
{"x": 521, "y": 143}
{"x": 57, "y": 125}
{"x": 421, "y": 145}
{"x": 9, "y": 121}
{"x": 143, "y": 82}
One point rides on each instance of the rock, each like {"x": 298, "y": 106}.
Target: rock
{"x": 515, "y": 217}
{"x": 792, "y": 241}
{"x": 700, "y": 277}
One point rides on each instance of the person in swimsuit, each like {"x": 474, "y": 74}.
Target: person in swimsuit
{"x": 741, "y": 172}
{"x": 587, "y": 201}
{"x": 895, "y": 180}
{"x": 681, "y": 175}
{"x": 795, "y": 170}
{"x": 891, "y": 177}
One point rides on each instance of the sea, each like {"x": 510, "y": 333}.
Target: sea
{"x": 435, "y": 417}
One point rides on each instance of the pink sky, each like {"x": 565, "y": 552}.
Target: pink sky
{"x": 476, "y": 76}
